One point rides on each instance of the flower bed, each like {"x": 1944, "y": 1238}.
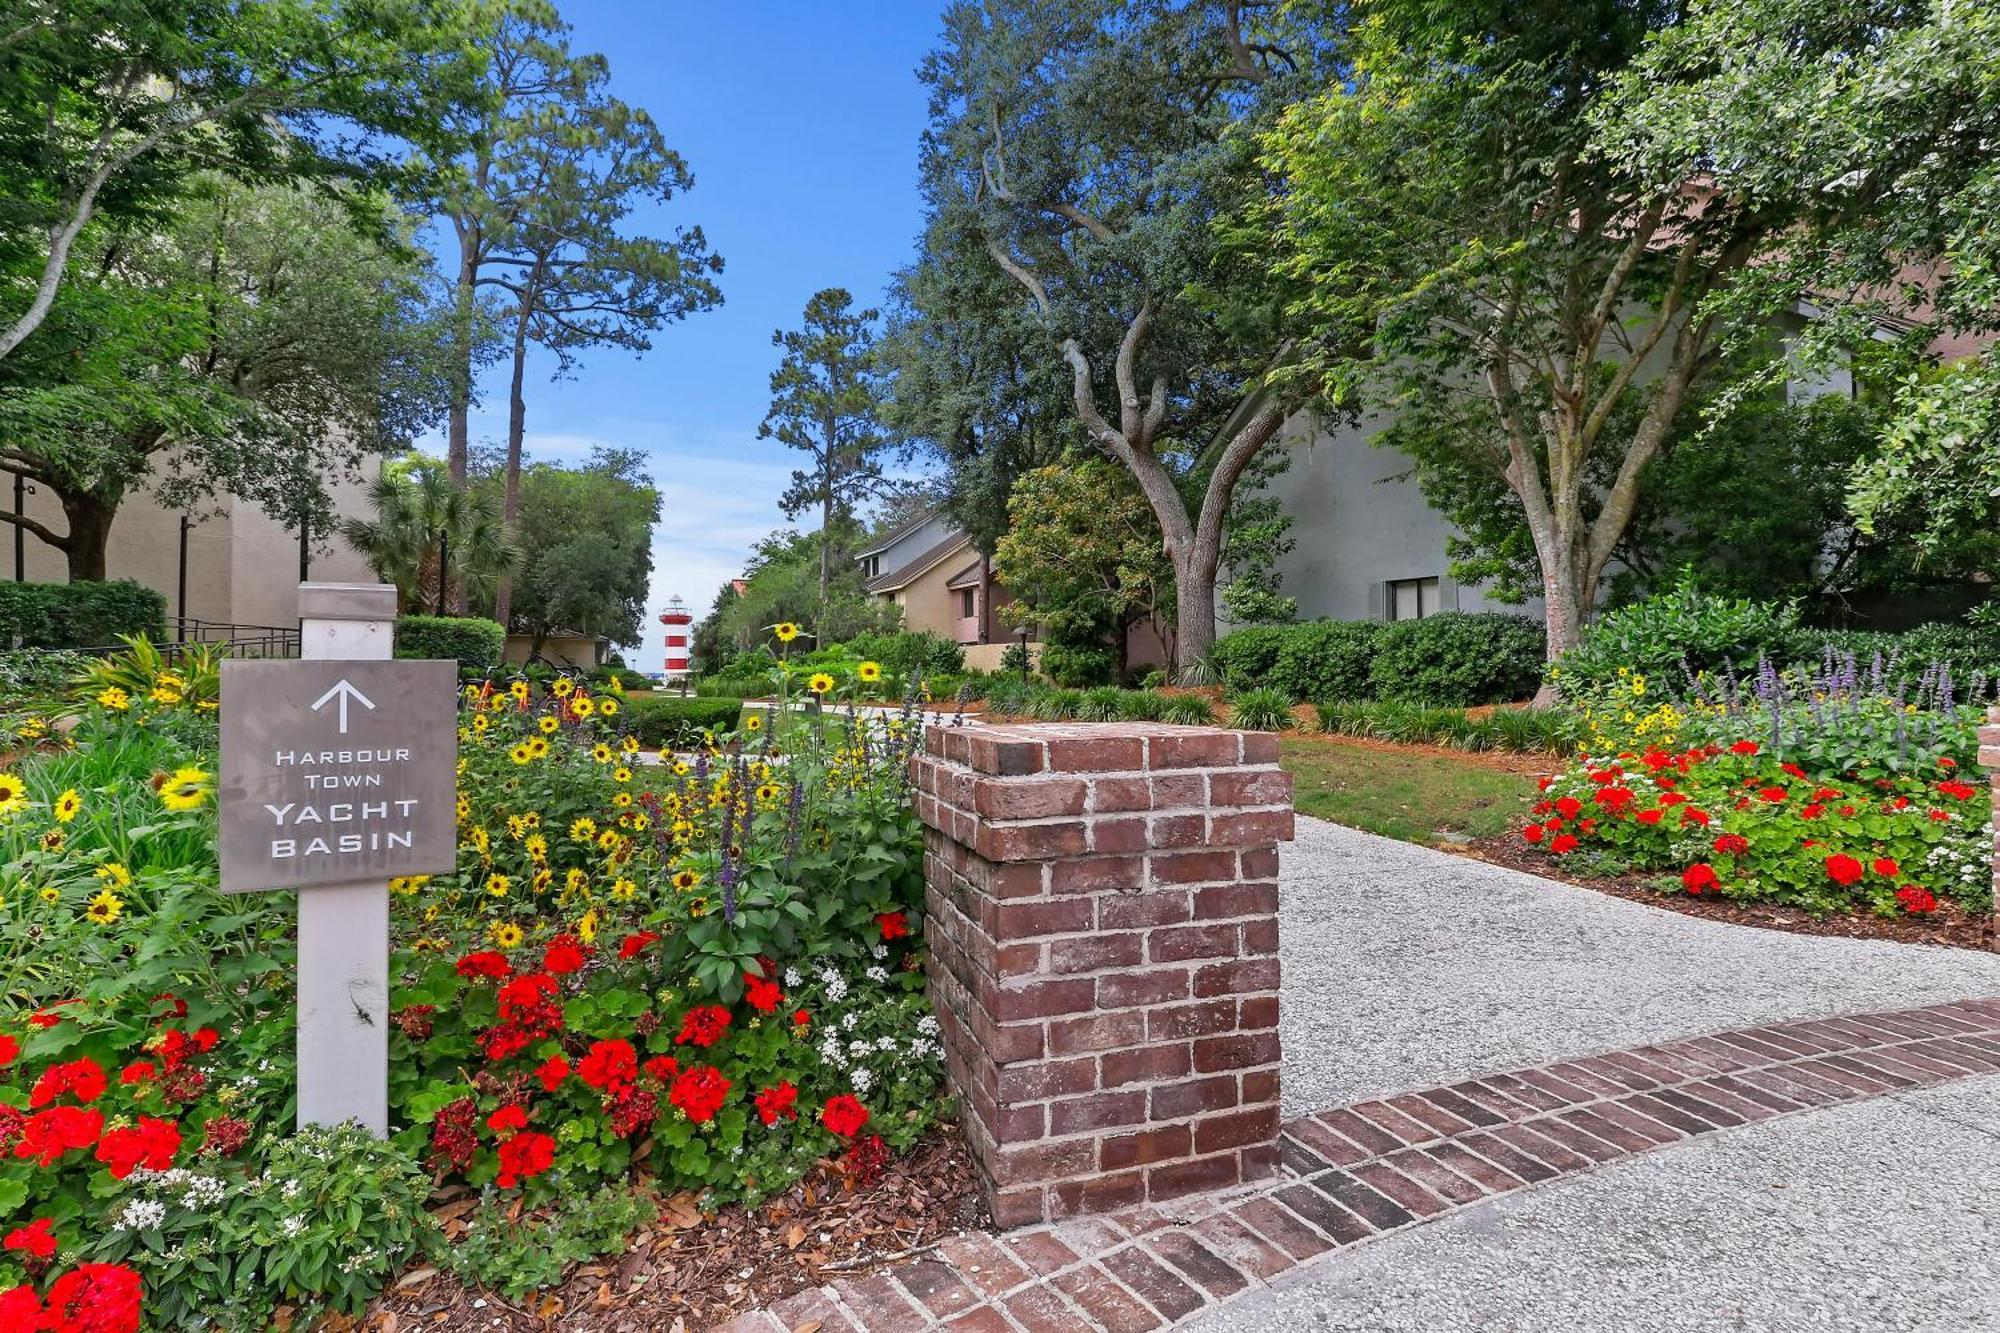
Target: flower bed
{"x": 706, "y": 975}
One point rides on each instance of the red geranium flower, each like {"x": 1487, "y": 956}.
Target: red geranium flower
{"x": 894, "y": 925}
{"x": 49, "y": 1134}
{"x": 10, "y": 1047}
{"x": 1532, "y": 833}
{"x": 635, "y": 944}
{"x": 844, "y": 1115}
{"x": 139, "y": 1071}
{"x": 703, "y": 1025}
{"x": 523, "y": 997}
{"x": 484, "y": 964}
{"x": 1699, "y": 877}
{"x": 1648, "y": 816}
{"x": 761, "y": 995}
{"x": 1958, "y": 791}
{"x": 552, "y": 1072}
{"x": 151, "y": 1143}
{"x": 1886, "y": 867}
{"x": 565, "y": 954}
{"x": 781, "y": 1099}
{"x": 1694, "y": 816}
{"x": 1732, "y": 844}
{"x": 1916, "y": 899}
{"x": 525, "y": 1156}
{"x": 609, "y": 1064}
{"x": 1563, "y": 842}
{"x": 38, "y": 1241}
{"x": 81, "y": 1078}
{"x": 1672, "y": 798}
{"x": 94, "y": 1298}
{"x": 1569, "y": 807}
{"x": 662, "y": 1067}
{"x": 1771, "y": 794}
{"x": 1843, "y": 870}
{"x": 508, "y": 1120}
{"x": 801, "y": 1017}
{"x": 205, "y": 1039}
{"x": 1613, "y": 799}
{"x": 700, "y": 1092}
{"x": 1743, "y": 747}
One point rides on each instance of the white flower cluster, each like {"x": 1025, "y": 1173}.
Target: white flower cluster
{"x": 835, "y": 984}
{"x": 293, "y": 1225}
{"x": 140, "y": 1215}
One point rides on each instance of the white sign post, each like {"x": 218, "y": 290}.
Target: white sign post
{"x": 343, "y": 1033}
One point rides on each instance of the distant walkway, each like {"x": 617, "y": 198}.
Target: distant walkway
{"x": 1406, "y": 966}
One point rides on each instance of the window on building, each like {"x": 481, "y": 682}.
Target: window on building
{"x": 872, "y": 566}
{"x": 967, "y": 604}
{"x": 1412, "y": 599}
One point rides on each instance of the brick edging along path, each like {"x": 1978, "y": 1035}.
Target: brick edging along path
{"x": 1357, "y": 1172}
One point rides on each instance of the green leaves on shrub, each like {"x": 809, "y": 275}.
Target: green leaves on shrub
{"x": 1079, "y": 668}
{"x": 1265, "y": 709}
{"x": 79, "y": 615}
{"x": 1459, "y": 659}
{"x": 1188, "y": 710}
{"x": 475, "y": 642}
{"x": 676, "y": 724}
{"x": 1106, "y": 703}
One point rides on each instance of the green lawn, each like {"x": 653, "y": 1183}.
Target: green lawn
{"x": 1412, "y": 795}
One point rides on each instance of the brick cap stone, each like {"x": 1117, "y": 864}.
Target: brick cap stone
{"x": 1022, "y": 749}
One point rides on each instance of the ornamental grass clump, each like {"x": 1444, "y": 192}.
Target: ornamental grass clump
{"x": 1265, "y": 709}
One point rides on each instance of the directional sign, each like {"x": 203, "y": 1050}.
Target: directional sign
{"x": 335, "y": 772}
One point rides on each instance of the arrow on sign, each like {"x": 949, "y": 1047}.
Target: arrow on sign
{"x": 343, "y": 690}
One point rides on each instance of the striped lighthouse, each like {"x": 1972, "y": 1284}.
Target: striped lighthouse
{"x": 678, "y": 620}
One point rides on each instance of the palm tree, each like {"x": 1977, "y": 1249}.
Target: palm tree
{"x": 431, "y": 535}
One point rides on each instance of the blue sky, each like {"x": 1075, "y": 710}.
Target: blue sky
{"x": 800, "y": 121}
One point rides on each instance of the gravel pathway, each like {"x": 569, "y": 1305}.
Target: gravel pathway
{"x": 1407, "y": 967}
{"x": 1880, "y": 1215}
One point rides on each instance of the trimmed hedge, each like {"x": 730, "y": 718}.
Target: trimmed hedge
{"x": 79, "y": 615}
{"x": 1459, "y": 659}
{"x": 673, "y": 723}
{"x": 476, "y": 643}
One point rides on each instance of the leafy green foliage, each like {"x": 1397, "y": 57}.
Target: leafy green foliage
{"x": 1076, "y": 667}
{"x": 1673, "y": 636}
{"x": 1458, "y": 658}
{"x": 1264, "y": 709}
{"x": 1188, "y": 710}
{"x": 474, "y": 642}
{"x": 435, "y": 539}
{"x": 679, "y": 724}
{"x": 78, "y": 615}
{"x": 517, "y": 1256}
{"x": 586, "y": 540}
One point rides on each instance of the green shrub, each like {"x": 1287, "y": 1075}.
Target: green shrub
{"x": 1265, "y": 709}
{"x": 1016, "y": 659}
{"x": 627, "y": 678}
{"x": 1514, "y": 730}
{"x": 1458, "y": 659}
{"x": 1327, "y": 659}
{"x": 1048, "y": 705}
{"x": 1188, "y": 710}
{"x": 79, "y": 615}
{"x": 671, "y": 723}
{"x": 1672, "y": 634}
{"x": 1142, "y": 706}
{"x": 1078, "y": 668}
{"x": 474, "y": 642}
{"x": 1105, "y": 703}
{"x": 727, "y": 687}
{"x": 908, "y": 653}
{"x": 1008, "y": 696}
{"x": 1244, "y": 659}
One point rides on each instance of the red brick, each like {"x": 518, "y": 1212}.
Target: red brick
{"x": 1157, "y": 906}
{"x": 1096, "y": 953}
{"x": 1097, "y": 1032}
{"x": 1537, "y": 1141}
{"x": 1259, "y": 938}
{"x": 1210, "y": 1271}
{"x": 1154, "y": 986}
{"x": 1171, "y": 1180}
{"x": 1000, "y": 756}
{"x": 812, "y": 1305}
{"x": 1403, "y": 1190}
{"x": 1102, "y": 1110}
{"x": 1179, "y": 791}
{"x": 1039, "y": 1310}
{"x": 1096, "y": 754}
{"x": 1198, "y": 748}
{"x": 1041, "y": 1252}
{"x": 1434, "y": 1176}
{"x": 880, "y": 1303}
{"x": 1098, "y": 1295}
{"x": 1260, "y": 747}
{"x": 1145, "y": 1064}
{"x": 1118, "y": 795}
{"x": 1038, "y": 798}
{"x": 1119, "y": 836}
{"x": 1153, "y": 1282}
{"x": 1168, "y": 1023}
{"x": 1025, "y": 919}
{"x": 1098, "y": 1192}
{"x": 1044, "y": 1079}
{"x": 979, "y": 1319}
{"x": 1173, "y": 832}
{"x": 983, "y": 1263}
{"x": 1097, "y": 874}
{"x": 1043, "y": 999}
{"x": 1194, "y": 867}
{"x": 936, "y": 1287}
{"x": 1488, "y": 1175}
{"x": 1176, "y": 944}
{"x": 1241, "y": 1246}
{"x": 1250, "y": 828}
{"x": 1174, "y": 1101}
{"x": 1041, "y": 1162}
{"x": 1236, "y": 1130}
{"x": 1115, "y": 1152}
{"x": 1219, "y": 901}
{"x": 1281, "y": 1227}
{"x": 1250, "y": 786}
{"x": 1341, "y": 1226}
{"x": 1032, "y": 842}
{"x": 1234, "y": 978}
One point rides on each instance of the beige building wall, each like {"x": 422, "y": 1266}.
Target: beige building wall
{"x": 928, "y": 604}
{"x": 242, "y": 564}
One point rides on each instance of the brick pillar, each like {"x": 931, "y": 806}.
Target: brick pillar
{"x": 1103, "y": 904}
{"x": 1989, "y": 759}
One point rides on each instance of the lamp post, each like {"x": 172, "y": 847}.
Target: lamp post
{"x": 1021, "y": 637}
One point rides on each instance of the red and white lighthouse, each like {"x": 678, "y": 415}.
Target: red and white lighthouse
{"x": 679, "y": 621}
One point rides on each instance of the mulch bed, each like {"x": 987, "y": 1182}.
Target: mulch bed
{"x": 687, "y": 1272}
{"x": 1951, "y": 926}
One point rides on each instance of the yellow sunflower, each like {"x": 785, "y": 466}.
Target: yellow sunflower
{"x": 50, "y": 894}
{"x": 53, "y": 840}
{"x": 582, "y": 705}
{"x": 869, "y": 671}
{"x": 686, "y": 879}
{"x": 754, "y": 722}
{"x": 480, "y": 722}
{"x": 537, "y": 747}
{"x": 115, "y": 874}
{"x": 13, "y": 792}
{"x": 630, "y": 745}
{"x": 563, "y": 687}
{"x": 681, "y": 768}
{"x": 114, "y": 698}
{"x": 608, "y": 706}
{"x": 623, "y": 888}
{"x": 104, "y": 908}
{"x": 520, "y": 754}
{"x": 767, "y": 794}
{"x": 601, "y": 753}
{"x": 539, "y": 881}
{"x": 549, "y": 723}
{"x": 609, "y": 840}
{"x": 67, "y": 806}
{"x": 586, "y": 926}
{"x": 583, "y": 828}
{"x": 519, "y": 689}
{"x": 497, "y": 885}
{"x": 507, "y": 935}
{"x": 785, "y": 631}
{"x": 819, "y": 682}
{"x": 185, "y": 789}
{"x": 621, "y": 799}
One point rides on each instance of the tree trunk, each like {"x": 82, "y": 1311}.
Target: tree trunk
{"x": 89, "y": 521}
{"x": 458, "y": 448}
{"x": 517, "y": 426}
{"x": 1569, "y": 588}
{"x": 1194, "y": 611}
